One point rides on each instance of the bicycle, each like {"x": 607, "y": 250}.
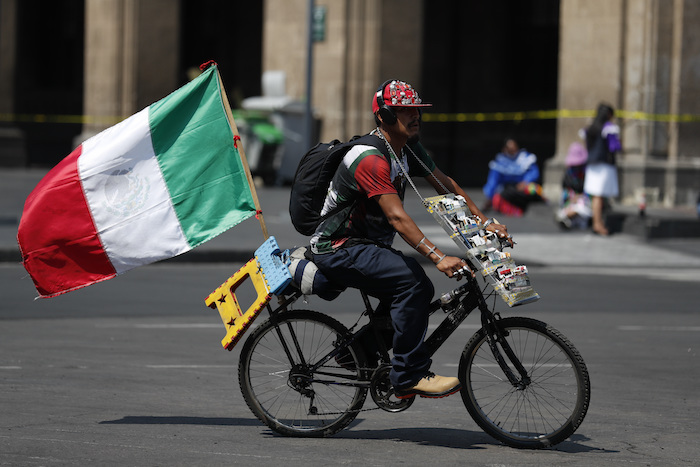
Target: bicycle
{"x": 303, "y": 373}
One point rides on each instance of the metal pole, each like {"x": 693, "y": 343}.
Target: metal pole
{"x": 308, "y": 118}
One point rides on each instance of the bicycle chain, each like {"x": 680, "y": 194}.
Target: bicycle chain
{"x": 349, "y": 411}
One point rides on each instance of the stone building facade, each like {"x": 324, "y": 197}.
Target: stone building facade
{"x": 642, "y": 56}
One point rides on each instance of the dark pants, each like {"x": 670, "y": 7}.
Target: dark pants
{"x": 519, "y": 198}
{"x": 401, "y": 283}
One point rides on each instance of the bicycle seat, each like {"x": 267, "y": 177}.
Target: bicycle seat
{"x": 307, "y": 278}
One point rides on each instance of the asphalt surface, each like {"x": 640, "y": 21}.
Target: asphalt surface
{"x": 131, "y": 371}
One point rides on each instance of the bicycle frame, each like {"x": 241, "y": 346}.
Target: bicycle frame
{"x": 473, "y": 299}
{"x": 468, "y": 297}
{"x": 328, "y": 377}
{"x": 316, "y": 365}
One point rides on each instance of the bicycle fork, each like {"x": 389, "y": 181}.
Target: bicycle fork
{"x": 496, "y": 337}
{"x": 474, "y": 299}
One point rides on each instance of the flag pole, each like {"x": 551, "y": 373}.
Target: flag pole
{"x": 248, "y": 175}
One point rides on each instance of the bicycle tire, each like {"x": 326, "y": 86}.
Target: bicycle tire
{"x": 547, "y": 410}
{"x": 288, "y": 397}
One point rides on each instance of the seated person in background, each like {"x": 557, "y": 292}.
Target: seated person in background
{"x": 575, "y": 205}
{"x": 512, "y": 181}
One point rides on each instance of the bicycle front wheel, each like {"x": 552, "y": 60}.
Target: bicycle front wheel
{"x": 542, "y": 410}
{"x": 287, "y": 385}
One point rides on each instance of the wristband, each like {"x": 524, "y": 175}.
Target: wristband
{"x": 430, "y": 250}
{"x": 443, "y": 257}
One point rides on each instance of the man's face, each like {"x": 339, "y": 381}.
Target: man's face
{"x": 511, "y": 148}
{"x": 407, "y": 122}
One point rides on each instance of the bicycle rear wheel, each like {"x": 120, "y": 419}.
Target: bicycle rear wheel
{"x": 291, "y": 396}
{"x": 539, "y": 413}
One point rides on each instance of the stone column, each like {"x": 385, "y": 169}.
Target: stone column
{"x": 364, "y": 45}
{"x": 131, "y": 58}
{"x": 380, "y": 48}
{"x": 646, "y": 48}
{"x": 12, "y": 148}
{"x": 590, "y": 54}
{"x": 660, "y": 70}
{"x": 684, "y": 152}
{"x": 642, "y": 57}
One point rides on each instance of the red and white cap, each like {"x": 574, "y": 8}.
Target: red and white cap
{"x": 398, "y": 94}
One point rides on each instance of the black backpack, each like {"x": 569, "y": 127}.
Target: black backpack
{"x": 313, "y": 177}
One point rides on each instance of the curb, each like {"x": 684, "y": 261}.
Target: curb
{"x": 643, "y": 227}
{"x": 652, "y": 227}
{"x": 10, "y": 256}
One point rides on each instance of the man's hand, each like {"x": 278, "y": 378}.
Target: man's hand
{"x": 452, "y": 187}
{"x": 451, "y": 265}
{"x": 501, "y": 231}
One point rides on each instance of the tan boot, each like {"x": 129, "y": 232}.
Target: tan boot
{"x": 432, "y": 386}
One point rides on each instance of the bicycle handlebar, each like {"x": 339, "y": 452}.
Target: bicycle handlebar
{"x": 507, "y": 241}
{"x": 464, "y": 271}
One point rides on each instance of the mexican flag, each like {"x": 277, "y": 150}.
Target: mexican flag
{"x": 152, "y": 187}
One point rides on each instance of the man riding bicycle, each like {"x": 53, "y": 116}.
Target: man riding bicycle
{"x": 363, "y": 211}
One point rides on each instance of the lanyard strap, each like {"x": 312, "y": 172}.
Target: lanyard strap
{"x": 403, "y": 169}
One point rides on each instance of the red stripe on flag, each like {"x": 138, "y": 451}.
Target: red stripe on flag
{"x": 60, "y": 246}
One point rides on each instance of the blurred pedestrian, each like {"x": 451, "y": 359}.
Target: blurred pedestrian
{"x": 513, "y": 180}
{"x": 603, "y": 143}
{"x": 575, "y": 205}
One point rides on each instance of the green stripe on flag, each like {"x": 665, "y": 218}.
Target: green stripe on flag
{"x": 193, "y": 142}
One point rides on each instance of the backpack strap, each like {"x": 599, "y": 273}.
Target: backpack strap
{"x": 367, "y": 140}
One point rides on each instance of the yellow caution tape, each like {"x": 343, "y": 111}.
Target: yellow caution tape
{"x": 553, "y": 115}
{"x": 427, "y": 117}
{"x": 44, "y": 118}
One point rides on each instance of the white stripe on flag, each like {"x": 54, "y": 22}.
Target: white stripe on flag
{"x": 127, "y": 196}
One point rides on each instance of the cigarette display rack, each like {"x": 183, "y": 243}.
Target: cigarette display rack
{"x": 483, "y": 249}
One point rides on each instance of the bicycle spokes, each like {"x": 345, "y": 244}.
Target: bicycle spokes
{"x": 532, "y": 391}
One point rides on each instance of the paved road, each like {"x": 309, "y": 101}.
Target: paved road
{"x": 131, "y": 372}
